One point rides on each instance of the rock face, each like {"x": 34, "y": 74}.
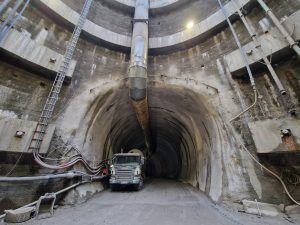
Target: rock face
{"x": 292, "y": 209}
{"x": 192, "y": 97}
{"x": 19, "y": 215}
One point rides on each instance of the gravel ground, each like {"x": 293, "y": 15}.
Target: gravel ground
{"x": 161, "y": 202}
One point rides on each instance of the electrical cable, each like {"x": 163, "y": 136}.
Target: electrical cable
{"x": 247, "y": 109}
{"x": 50, "y": 104}
{"x": 76, "y": 159}
{"x": 15, "y": 165}
{"x": 272, "y": 173}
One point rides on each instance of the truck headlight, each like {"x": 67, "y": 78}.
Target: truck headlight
{"x": 112, "y": 170}
{"x": 137, "y": 171}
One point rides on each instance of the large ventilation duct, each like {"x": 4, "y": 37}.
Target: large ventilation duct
{"x": 138, "y": 67}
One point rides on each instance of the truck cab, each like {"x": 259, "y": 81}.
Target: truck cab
{"x": 127, "y": 169}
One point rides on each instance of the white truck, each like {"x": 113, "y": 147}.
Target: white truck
{"x": 127, "y": 169}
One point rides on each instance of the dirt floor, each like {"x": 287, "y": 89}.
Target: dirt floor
{"x": 161, "y": 202}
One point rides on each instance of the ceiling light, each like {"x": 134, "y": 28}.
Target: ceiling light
{"x": 190, "y": 24}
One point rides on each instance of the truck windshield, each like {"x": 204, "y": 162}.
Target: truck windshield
{"x": 127, "y": 159}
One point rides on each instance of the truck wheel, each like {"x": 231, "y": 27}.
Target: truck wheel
{"x": 138, "y": 186}
{"x": 113, "y": 187}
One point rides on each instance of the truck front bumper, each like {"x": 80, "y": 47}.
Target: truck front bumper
{"x": 135, "y": 180}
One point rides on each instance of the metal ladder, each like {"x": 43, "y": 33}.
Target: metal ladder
{"x": 48, "y": 109}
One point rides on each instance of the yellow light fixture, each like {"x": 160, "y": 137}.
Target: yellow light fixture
{"x": 190, "y": 24}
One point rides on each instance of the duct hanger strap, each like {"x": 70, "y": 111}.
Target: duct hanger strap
{"x": 137, "y": 69}
{"x": 140, "y": 20}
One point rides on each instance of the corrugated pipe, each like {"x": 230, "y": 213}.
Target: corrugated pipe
{"x": 281, "y": 28}
{"x": 245, "y": 59}
{"x": 261, "y": 51}
{"x": 138, "y": 67}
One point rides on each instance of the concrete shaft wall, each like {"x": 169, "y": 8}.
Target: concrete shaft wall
{"x": 162, "y": 23}
{"x": 192, "y": 96}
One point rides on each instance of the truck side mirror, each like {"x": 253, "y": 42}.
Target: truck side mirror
{"x": 142, "y": 161}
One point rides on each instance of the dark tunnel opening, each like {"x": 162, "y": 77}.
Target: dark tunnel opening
{"x": 178, "y": 131}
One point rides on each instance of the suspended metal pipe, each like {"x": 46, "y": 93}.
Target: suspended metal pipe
{"x": 138, "y": 67}
{"x": 5, "y": 31}
{"x": 69, "y": 175}
{"x": 10, "y": 15}
{"x": 3, "y": 5}
{"x": 245, "y": 59}
{"x": 281, "y": 28}
{"x": 261, "y": 51}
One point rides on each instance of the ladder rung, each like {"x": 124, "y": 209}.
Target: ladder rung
{"x": 37, "y": 139}
{"x": 39, "y": 131}
{"x": 44, "y": 116}
{"x": 48, "y": 105}
{"x": 40, "y": 123}
{"x": 47, "y": 110}
{"x": 54, "y": 91}
{"x": 59, "y": 79}
{"x": 52, "y": 97}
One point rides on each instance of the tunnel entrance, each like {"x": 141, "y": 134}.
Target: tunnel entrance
{"x": 178, "y": 133}
{"x": 182, "y": 123}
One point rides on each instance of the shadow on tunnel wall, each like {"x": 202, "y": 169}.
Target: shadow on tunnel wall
{"x": 187, "y": 134}
{"x": 171, "y": 139}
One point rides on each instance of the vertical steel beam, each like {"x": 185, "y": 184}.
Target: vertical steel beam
{"x": 281, "y": 28}
{"x": 15, "y": 20}
{"x": 10, "y": 15}
{"x": 261, "y": 51}
{"x": 3, "y": 5}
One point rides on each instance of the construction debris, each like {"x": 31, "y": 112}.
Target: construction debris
{"x": 261, "y": 209}
{"x": 18, "y": 215}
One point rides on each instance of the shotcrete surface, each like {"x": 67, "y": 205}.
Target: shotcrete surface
{"x": 162, "y": 202}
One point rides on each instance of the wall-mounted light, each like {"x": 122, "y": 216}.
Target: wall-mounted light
{"x": 249, "y": 52}
{"x": 52, "y": 60}
{"x": 190, "y": 24}
{"x": 19, "y": 134}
